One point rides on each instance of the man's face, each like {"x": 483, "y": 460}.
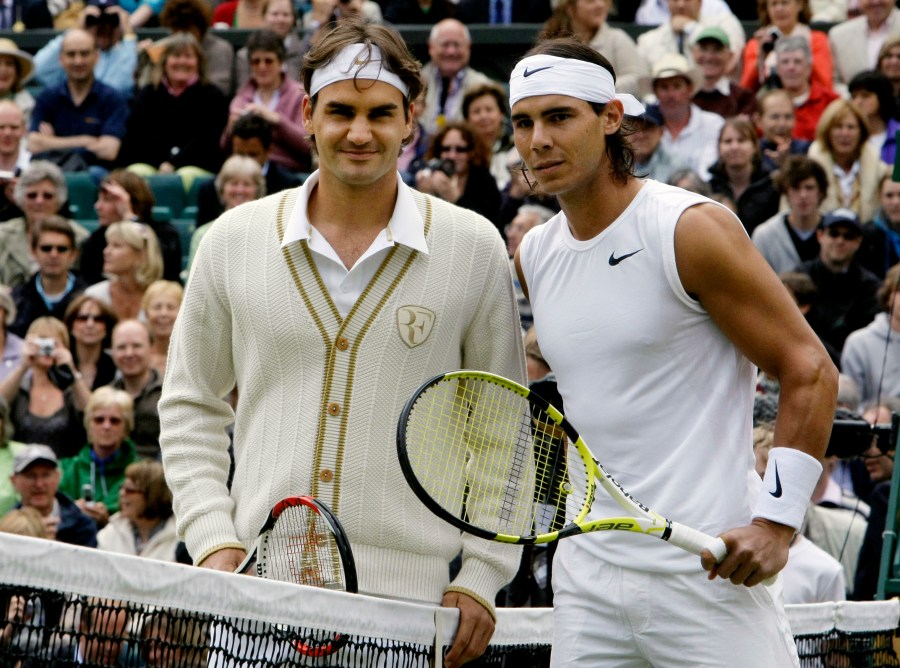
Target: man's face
{"x": 37, "y": 485}
{"x": 131, "y": 349}
{"x": 777, "y": 118}
{"x": 890, "y": 200}
{"x": 252, "y": 148}
{"x": 689, "y": 8}
{"x": 876, "y": 11}
{"x": 78, "y": 56}
{"x": 562, "y": 141}
{"x": 12, "y": 129}
{"x": 674, "y": 94}
{"x": 793, "y": 69}
{"x": 106, "y": 430}
{"x": 804, "y": 198}
{"x": 450, "y": 49}
{"x": 108, "y": 631}
{"x": 644, "y": 141}
{"x": 838, "y": 245}
{"x": 517, "y": 229}
{"x": 358, "y": 132}
{"x": 55, "y": 254}
{"x": 711, "y": 57}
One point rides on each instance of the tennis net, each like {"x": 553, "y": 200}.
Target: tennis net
{"x": 65, "y": 605}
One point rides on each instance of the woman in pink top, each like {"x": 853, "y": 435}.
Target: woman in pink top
{"x": 275, "y": 97}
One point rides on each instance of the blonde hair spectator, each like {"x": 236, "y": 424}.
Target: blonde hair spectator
{"x": 142, "y": 238}
{"x": 104, "y": 397}
{"x": 23, "y": 522}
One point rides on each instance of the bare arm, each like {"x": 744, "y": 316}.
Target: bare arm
{"x": 518, "y": 264}
{"x": 105, "y": 147}
{"x": 719, "y": 265}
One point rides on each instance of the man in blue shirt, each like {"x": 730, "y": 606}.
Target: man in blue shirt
{"x": 80, "y": 122}
{"x": 113, "y": 32}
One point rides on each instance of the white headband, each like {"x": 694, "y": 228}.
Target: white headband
{"x": 356, "y": 61}
{"x": 551, "y": 75}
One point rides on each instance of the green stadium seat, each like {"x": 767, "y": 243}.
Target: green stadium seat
{"x": 168, "y": 190}
{"x": 82, "y": 195}
{"x": 191, "y": 199}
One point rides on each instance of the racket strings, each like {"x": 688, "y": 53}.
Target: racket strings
{"x": 301, "y": 549}
{"x": 490, "y": 458}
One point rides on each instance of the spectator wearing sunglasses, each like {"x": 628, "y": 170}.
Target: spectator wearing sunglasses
{"x": 93, "y": 476}
{"x": 847, "y": 292}
{"x": 90, "y": 322}
{"x": 54, "y": 285}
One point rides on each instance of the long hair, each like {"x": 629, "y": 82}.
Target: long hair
{"x": 479, "y": 153}
{"x": 832, "y": 115}
{"x": 618, "y": 150}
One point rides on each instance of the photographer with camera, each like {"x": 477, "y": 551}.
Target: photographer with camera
{"x": 46, "y": 395}
{"x": 457, "y": 169}
{"x": 111, "y": 27}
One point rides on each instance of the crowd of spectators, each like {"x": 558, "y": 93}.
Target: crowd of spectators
{"x": 791, "y": 126}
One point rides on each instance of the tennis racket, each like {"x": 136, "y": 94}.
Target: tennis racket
{"x": 303, "y": 542}
{"x": 497, "y": 461}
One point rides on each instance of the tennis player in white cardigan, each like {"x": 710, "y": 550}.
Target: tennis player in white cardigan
{"x": 328, "y": 305}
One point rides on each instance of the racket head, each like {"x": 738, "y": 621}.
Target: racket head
{"x": 303, "y": 542}
{"x": 494, "y": 459}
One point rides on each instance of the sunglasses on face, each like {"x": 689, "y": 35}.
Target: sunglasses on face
{"x": 36, "y": 195}
{"x": 100, "y": 419}
{"x": 455, "y": 149}
{"x": 90, "y": 317}
{"x": 49, "y": 248}
{"x": 849, "y": 235}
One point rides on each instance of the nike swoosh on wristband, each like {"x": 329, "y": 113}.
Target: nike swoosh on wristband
{"x": 528, "y": 72}
{"x": 777, "y": 492}
{"x": 613, "y": 260}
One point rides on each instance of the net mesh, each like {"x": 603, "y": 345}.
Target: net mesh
{"x": 64, "y": 605}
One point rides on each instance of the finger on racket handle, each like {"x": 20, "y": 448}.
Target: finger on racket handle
{"x": 696, "y": 541}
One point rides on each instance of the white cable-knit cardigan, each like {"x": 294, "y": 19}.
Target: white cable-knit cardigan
{"x": 320, "y": 396}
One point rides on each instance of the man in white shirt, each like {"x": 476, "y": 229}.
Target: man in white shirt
{"x": 689, "y": 133}
{"x": 855, "y": 43}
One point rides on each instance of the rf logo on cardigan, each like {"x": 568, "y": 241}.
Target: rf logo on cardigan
{"x": 414, "y": 324}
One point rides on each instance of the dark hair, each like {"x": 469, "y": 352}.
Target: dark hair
{"x": 479, "y": 154}
{"x": 106, "y": 315}
{"x": 352, "y": 30}
{"x": 800, "y": 285}
{"x": 266, "y": 40}
{"x": 618, "y": 150}
{"x": 250, "y": 126}
{"x": 183, "y": 15}
{"x": 875, "y": 81}
{"x": 798, "y": 168}
{"x": 139, "y": 192}
{"x": 484, "y": 90}
{"x": 56, "y": 224}
{"x": 745, "y": 130}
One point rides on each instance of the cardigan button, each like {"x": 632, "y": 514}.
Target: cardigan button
{"x": 342, "y": 343}
{"x": 334, "y": 408}
{"x": 326, "y": 475}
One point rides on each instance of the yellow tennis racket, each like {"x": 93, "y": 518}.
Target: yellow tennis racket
{"x": 497, "y": 461}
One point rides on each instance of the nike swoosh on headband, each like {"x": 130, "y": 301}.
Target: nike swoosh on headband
{"x": 528, "y": 72}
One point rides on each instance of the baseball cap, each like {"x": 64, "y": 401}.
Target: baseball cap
{"x": 714, "y": 33}
{"x": 841, "y": 217}
{"x": 676, "y": 65}
{"x": 652, "y": 115}
{"x": 33, "y": 454}
{"x": 102, "y": 4}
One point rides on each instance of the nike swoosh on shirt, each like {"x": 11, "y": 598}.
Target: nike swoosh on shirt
{"x": 528, "y": 72}
{"x": 777, "y": 492}
{"x": 613, "y": 260}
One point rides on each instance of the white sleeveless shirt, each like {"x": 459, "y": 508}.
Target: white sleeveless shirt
{"x": 660, "y": 395}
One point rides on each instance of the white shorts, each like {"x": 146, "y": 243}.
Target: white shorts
{"x": 614, "y": 617}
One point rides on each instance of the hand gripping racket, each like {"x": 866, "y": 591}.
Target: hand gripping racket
{"x": 304, "y": 543}
{"x": 497, "y": 461}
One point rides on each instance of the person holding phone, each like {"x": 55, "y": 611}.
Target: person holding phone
{"x": 45, "y": 394}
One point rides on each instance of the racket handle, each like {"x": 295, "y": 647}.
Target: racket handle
{"x": 696, "y": 541}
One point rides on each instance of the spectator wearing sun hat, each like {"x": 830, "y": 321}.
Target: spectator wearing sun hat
{"x": 689, "y": 133}
{"x": 16, "y": 68}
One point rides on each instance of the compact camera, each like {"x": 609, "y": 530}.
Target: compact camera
{"x": 445, "y": 165}
{"x": 45, "y": 345}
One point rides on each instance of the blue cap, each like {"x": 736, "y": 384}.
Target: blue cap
{"x": 652, "y": 114}
{"x": 841, "y": 216}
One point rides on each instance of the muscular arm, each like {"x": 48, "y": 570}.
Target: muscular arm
{"x": 719, "y": 266}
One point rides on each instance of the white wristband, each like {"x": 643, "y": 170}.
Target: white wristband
{"x": 791, "y": 477}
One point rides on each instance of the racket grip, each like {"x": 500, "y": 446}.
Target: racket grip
{"x": 696, "y": 541}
